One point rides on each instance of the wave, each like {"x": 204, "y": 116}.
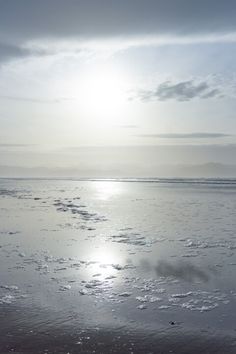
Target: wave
{"x": 211, "y": 181}
{"x": 228, "y": 181}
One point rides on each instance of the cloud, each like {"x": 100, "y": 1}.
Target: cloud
{"x": 92, "y": 18}
{"x": 18, "y": 51}
{"x": 34, "y": 100}
{"x": 181, "y": 91}
{"x": 126, "y": 126}
{"x": 186, "y": 135}
{"x": 16, "y": 145}
{"x": 8, "y": 51}
{"x": 135, "y": 21}
{"x": 59, "y": 26}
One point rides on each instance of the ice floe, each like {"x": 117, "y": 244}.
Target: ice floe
{"x": 164, "y": 307}
{"x": 135, "y": 239}
{"x": 193, "y": 305}
{"x": 182, "y": 295}
{"x": 79, "y": 209}
{"x": 142, "y": 307}
{"x": 7, "y": 299}
{"x": 10, "y": 287}
{"x": 125, "y": 294}
{"x": 148, "y": 298}
{"x": 65, "y": 287}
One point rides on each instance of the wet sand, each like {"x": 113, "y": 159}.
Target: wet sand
{"x": 117, "y": 267}
{"x": 71, "y": 338}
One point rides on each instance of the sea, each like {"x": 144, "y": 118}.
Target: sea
{"x": 118, "y": 266}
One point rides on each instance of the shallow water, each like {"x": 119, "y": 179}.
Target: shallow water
{"x": 117, "y": 266}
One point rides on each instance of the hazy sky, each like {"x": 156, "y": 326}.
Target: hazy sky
{"x": 107, "y": 87}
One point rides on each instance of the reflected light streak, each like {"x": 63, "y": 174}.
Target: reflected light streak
{"x": 107, "y": 189}
{"x": 104, "y": 259}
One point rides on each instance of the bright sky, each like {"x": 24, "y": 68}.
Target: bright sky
{"x": 133, "y": 80}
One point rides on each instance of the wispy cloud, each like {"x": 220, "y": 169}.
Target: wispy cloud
{"x": 34, "y": 100}
{"x": 185, "y": 135}
{"x": 12, "y": 147}
{"x": 181, "y": 91}
{"x": 126, "y": 126}
{"x": 16, "y": 145}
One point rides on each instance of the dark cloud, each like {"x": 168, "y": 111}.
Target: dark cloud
{"x": 212, "y": 93}
{"x": 29, "y": 19}
{"x": 186, "y": 136}
{"x": 181, "y": 270}
{"x": 49, "y": 21}
{"x": 14, "y": 51}
{"x": 8, "y": 51}
{"x": 181, "y": 91}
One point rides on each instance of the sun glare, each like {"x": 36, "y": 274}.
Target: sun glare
{"x": 106, "y": 190}
{"x": 105, "y": 260}
{"x": 103, "y": 95}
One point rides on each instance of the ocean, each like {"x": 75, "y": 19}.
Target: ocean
{"x": 118, "y": 266}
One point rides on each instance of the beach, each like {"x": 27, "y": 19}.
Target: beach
{"x": 117, "y": 266}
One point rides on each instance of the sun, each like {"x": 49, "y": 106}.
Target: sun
{"x": 103, "y": 94}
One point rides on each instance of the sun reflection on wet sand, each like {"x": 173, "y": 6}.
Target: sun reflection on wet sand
{"x": 104, "y": 262}
{"x": 108, "y": 189}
